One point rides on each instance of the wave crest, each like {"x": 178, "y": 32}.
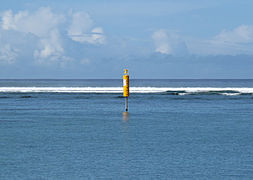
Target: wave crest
{"x": 166, "y": 90}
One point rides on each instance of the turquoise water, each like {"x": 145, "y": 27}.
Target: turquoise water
{"x": 170, "y": 134}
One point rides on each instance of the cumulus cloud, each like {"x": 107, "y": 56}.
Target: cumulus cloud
{"x": 161, "y": 41}
{"x": 168, "y": 43}
{"x": 50, "y": 47}
{"x": 241, "y": 34}
{"x": 228, "y": 42}
{"x": 80, "y": 30}
{"x": 85, "y": 61}
{"x": 236, "y": 41}
{"x": 8, "y": 54}
{"x": 46, "y": 27}
{"x": 38, "y": 23}
{"x": 81, "y": 23}
{"x": 43, "y": 24}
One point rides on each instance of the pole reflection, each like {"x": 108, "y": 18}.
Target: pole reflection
{"x": 125, "y": 116}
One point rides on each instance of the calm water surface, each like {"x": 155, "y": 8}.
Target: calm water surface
{"x": 164, "y": 135}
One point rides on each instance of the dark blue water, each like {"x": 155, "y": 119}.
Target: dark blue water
{"x": 164, "y": 135}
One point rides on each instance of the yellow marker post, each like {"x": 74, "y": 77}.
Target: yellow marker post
{"x": 126, "y": 86}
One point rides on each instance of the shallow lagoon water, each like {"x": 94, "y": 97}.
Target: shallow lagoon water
{"x": 87, "y": 136}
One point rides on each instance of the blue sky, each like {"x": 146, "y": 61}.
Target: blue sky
{"x": 98, "y": 39}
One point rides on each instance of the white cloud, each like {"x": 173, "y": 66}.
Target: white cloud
{"x": 7, "y": 54}
{"x": 241, "y": 34}
{"x": 81, "y": 23}
{"x": 50, "y": 47}
{"x": 85, "y": 61}
{"x": 168, "y": 43}
{"x": 227, "y": 42}
{"x": 39, "y": 23}
{"x": 161, "y": 41}
{"x": 80, "y": 30}
{"x": 43, "y": 24}
{"x": 8, "y": 21}
{"x": 42, "y": 29}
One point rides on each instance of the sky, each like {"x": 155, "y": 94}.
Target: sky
{"x": 154, "y": 39}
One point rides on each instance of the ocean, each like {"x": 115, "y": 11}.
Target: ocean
{"x": 77, "y": 129}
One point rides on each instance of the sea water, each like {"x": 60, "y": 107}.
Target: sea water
{"x": 77, "y": 129}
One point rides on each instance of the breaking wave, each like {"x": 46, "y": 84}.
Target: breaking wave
{"x": 228, "y": 91}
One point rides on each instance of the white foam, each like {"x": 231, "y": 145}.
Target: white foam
{"x": 132, "y": 89}
{"x": 230, "y": 94}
